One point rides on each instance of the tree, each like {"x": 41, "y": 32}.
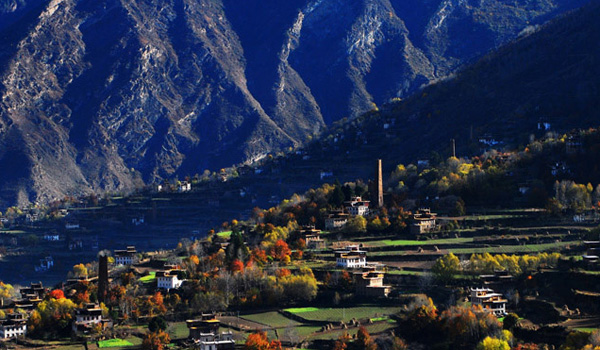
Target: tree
{"x": 446, "y": 267}
{"x": 337, "y": 197}
{"x": 80, "y": 270}
{"x": 510, "y": 321}
{"x": 342, "y": 342}
{"x": 156, "y": 340}
{"x": 52, "y": 317}
{"x": 237, "y": 266}
{"x": 280, "y": 251}
{"x": 6, "y": 292}
{"x": 363, "y": 340}
{"x": 399, "y": 344}
{"x": 259, "y": 341}
{"x": 299, "y": 288}
{"x": 157, "y": 323}
{"x": 357, "y": 224}
{"x": 57, "y": 294}
{"x": 490, "y": 343}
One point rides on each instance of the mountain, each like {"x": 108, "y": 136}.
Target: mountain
{"x": 546, "y": 81}
{"x": 105, "y": 95}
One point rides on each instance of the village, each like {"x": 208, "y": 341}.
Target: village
{"x": 362, "y": 279}
{"x": 337, "y": 264}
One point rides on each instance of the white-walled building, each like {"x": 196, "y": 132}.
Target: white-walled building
{"x": 489, "y": 300}
{"x": 168, "y": 280}
{"x": 212, "y": 341}
{"x": 335, "y": 221}
{"x": 88, "y": 317}
{"x": 13, "y": 326}
{"x": 357, "y": 207}
{"x": 352, "y": 257}
{"x": 126, "y": 257}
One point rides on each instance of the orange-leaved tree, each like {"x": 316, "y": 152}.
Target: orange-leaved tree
{"x": 156, "y": 340}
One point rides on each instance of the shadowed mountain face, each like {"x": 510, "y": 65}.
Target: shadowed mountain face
{"x": 103, "y": 95}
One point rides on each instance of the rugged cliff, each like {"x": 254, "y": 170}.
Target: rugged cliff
{"x": 106, "y": 94}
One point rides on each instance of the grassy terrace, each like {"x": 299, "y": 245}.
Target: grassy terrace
{"x": 149, "y": 278}
{"x": 273, "y": 319}
{"x": 507, "y": 249}
{"x": 112, "y": 343}
{"x": 373, "y": 329}
{"x": 342, "y": 314}
{"x": 406, "y": 242}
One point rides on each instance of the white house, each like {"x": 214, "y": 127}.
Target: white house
{"x": 357, "y": 207}
{"x": 167, "y": 280}
{"x": 488, "y": 300}
{"x": 88, "y": 317}
{"x": 13, "y": 326}
{"x": 126, "y": 257}
{"x": 212, "y": 341}
{"x": 335, "y": 221}
{"x": 352, "y": 257}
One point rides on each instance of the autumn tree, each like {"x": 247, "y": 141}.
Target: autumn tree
{"x": 302, "y": 287}
{"x": 6, "y": 292}
{"x": 280, "y": 251}
{"x": 342, "y": 342}
{"x": 52, "y": 317}
{"x": 156, "y": 340}
{"x": 259, "y": 341}
{"x": 490, "y": 343}
{"x": 363, "y": 340}
{"x": 237, "y": 266}
{"x": 56, "y": 294}
{"x": 80, "y": 270}
{"x": 446, "y": 267}
{"x": 357, "y": 224}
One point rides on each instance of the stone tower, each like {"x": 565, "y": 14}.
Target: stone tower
{"x": 102, "y": 277}
{"x": 377, "y": 197}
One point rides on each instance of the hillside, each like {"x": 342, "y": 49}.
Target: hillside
{"x": 106, "y": 95}
{"x": 551, "y": 76}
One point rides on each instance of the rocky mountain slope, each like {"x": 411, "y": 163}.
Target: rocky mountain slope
{"x": 106, "y": 94}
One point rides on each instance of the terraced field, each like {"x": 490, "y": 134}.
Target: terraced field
{"x": 342, "y": 314}
{"x": 273, "y": 319}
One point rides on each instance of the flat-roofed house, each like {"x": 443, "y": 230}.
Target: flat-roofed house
{"x": 351, "y": 257}
{"x": 489, "y": 300}
{"x": 126, "y": 257}
{"x": 168, "y": 280}
{"x": 423, "y": 221}
{"x": 357, "y": 206}
{"x": 88, "y": 317}
{"x": 369, "y": 283}
{"x": 13, "y": 326}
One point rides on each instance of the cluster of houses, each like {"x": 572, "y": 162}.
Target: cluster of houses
{"x": 368, "y": 277}
{"x": 89, "y": 316}
{"x": 15, "y": 324}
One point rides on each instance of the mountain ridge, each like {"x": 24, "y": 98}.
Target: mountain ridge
{"x": 107, "y": 95}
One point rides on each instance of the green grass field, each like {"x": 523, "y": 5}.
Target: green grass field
{"x": 272, "y": 319}
{"x": 404, "y": 272}
{"x": 112, "y": 343}
{"x": 343, "y": 314}
{"x": 178, "y": 330}
{"x": 297, "y": 310}
{"x": 406, "y": 242}
{"x": 506, "y": 249}
{"x": 149, "y": 278}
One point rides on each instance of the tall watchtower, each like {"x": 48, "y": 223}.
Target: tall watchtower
{"x": 377, "y": 197}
